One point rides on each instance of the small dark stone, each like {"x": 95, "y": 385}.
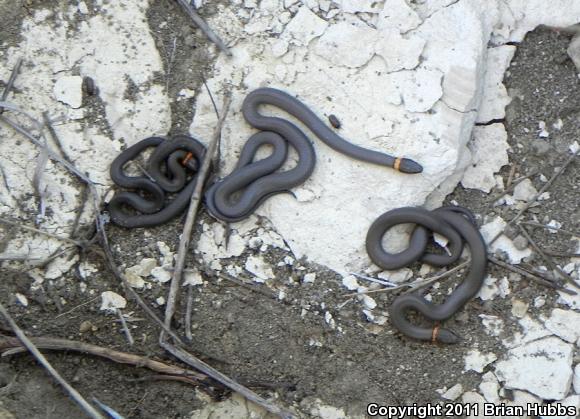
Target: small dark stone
{"x": 334, "y": 121}
{"x": 89, "y": 86}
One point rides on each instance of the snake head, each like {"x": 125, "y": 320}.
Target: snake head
{"x": 447, "y": 336}
{"x": 406, "y": 165}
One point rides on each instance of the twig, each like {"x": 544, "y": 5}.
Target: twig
{"x": 562, "y": 254}
{"x": 190, "y": 220}
{"x": 535, "y": 198}
{"x": 204, "y": 27}
{"x": 511, "y": 176}
{"x": 417, "y": 284}
{"x": 11, "y": 81}
{"x": 534, "y": 277}
{"x": 559, "y": 230}
{"x": 223, "y": 379}
{"x": 126, "y": 330}
{"x": 79, "y": 306}
{"x": 75, "y": 395}
{"x": 548, "y": 259}
{"x": 45, "y": 233}
{"x": 10, "y": 346}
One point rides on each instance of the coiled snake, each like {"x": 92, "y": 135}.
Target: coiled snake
{"x": 237, "y": 195}
{"x": 167, "y": 172}
{"x": 457, "y": 224}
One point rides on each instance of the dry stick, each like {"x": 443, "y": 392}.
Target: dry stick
{"x": 10, "y": 346}
{"x": 533, "y": 277}
{"x": 547, "y": 259}
{"x": 417, "y": 284}
{"x": 11, "y": 80}
{"x": 225, "y": 380}
{"x": 562, "y": 254}
{"x": 190, "y": 220}
{"x": 548, "y": 227}
{"x": 535, "y": 198}
{"x": 45, "y": 233}
{"x": 126, "y": 330}
{"x": 75, "y": 395}
{"x": 204, "y": 27}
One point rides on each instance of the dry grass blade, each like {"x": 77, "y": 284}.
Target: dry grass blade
{"x": 548, "y": 227}
{"x": 27, "y": 343}
{"x": 11, "y": 80}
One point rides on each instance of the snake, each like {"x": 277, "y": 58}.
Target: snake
{"x": 458, "y": 225}
{"x": 167, "y": 170}
{"x": 238, "y": 195}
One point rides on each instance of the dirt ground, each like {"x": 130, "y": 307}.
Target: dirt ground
{"x": 266, "y": 343}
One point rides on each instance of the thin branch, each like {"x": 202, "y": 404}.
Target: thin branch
{"x": 126, "y": 329}
{"x": 190, "y": 218}
{"x": 225, "y": 380}
{"x": 11, "y": 80}
{"x": 204, "y": 27}
{"x": 534, "y": 277}
{"x": 75, "y": 395}
{"x": 10, "y": 346}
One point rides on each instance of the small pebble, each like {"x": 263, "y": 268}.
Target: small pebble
{"x": 520, "y": 242}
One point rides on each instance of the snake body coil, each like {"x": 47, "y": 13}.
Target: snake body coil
{"x": 237, "y": 195}
{"x": 166, "y": 168}
{"x": 455, "y": 223}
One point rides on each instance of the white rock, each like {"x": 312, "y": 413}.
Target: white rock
{"x": 491, "y": 229}
{"x": 60, "y": 266}
{"x": 160, "y": 301}
{"x": 350, "y": 282}
{"x": 539, "y": 302}
{"x": 144, "y": 267}
{"x": 519, "y": 308}
{"x": 161, "y": 274}
{"x": 477, "y": 361}
{"x": 489, "y": 290}
{"x": 576, "y": 379}
{"x": 82, "y": 7}
{"x": 488, "y": 155}
{"x": 369, "y": 302}
{"x": 309, "y": 278}
{"x": 87, "y": 269}
{"x": 397, "y": 14}
{"x": 329, "y": 320}
{"x": 68, "y": 89}
{"x": 453, "y": 393}
{"x": 193, "y": 278}
{"x": 493, "y": 324}
{"x": 574, "y": 147}
{"x": 531, "y": 330}
{"x": 472, "y": 398}
{"x": 489, "y": 388}
{"x": 111, "y": 301}
{"x": 399, "y": 53}
{"x": 495, "y": 97}
{"x": 261, "y": 270}
{"x": 166, "y": 253}
{"x": 524, "y": 191}
{"x": 22, "y": 300}
{"x": 564, "y": 324}
{"x": 304, "y": 27}
{"x": 420, "y": 89}
{"x": 345, "y": 44}
{"x": 555, "y": 225}
{"x": 543, "y": 367}
{"x": 134, "y": 280}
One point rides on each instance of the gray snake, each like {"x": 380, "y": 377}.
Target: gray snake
{"x": 457, "y": 225}
{"x": 167, "y": 172}
{"x": 237, "y": 195}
